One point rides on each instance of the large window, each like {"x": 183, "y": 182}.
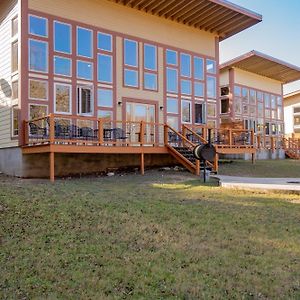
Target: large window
{"x": 38, "y": 89}
{"x": 38, "y": 56}
{"x": 14, "y": 26}
{"x": 62, "y": 66}
{"x": 105, "y": 97}
{"x": 14, "y": 57}
{"x": 211, "y": 87}
{"x": 150, "y": 67}
{"x": 37, "y": 111}
{"x": 172, "y": 105}
{"x": 211, "y": 66}
{"x": 199, "y": 113}
{"x": 84, "y": 42}
{"x": 62, "y": 37}
{"x": 105, "y": 68}
{"x": 172, "y": 80}
{"x": 130, "y": 53}
{"x": 186, "y": 111}
{"x": 171, "y": 57}
{"x": 15, "y": 121}
{"x": 38, "y": 26}
{"x": 131, "y": 78}
{"x": 198, "y": 68}
{"x": 131, "y": 70}
{"x": 185, "y": 65}
{"x": 84, "y": 70}
{"x": 104, "y": 42}
{"x": 85, "y": 100}
{"x": 63, "y": 98}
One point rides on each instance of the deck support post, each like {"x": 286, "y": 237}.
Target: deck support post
{"x": 51, "y": 157}
{"x": 216, "y": 163}
{"x": 142, "y": 164}
{"x": 198, "y": 167}
{"x": 253, "y": 158}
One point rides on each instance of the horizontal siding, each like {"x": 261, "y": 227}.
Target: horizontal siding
{"x": 8, "y": 10}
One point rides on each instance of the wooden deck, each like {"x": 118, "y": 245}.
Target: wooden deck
{"x": 73, "y": 134}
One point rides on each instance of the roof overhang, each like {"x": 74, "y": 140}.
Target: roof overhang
{"x": 264, "y": 65}
{"x": 220, "y": 17}
{"x": 295, "y": 93}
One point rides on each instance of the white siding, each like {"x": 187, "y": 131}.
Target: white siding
{"x": 8, "y": 10}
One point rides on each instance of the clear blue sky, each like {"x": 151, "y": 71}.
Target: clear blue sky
{"x": 277, "y": 35}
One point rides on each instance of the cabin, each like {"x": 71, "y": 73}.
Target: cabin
{"x": 89, "y": 85}
{"x": 292, "y": 114}
{"x": 251, "y": 91}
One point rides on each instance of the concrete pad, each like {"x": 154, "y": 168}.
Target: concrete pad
{"x": 275, "y": 184}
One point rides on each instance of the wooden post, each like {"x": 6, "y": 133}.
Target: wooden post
{"x": 51, "y": 129}
{"x": 216, "y": 163}
{"x": 204, "y": 134}
{"x": 52, "y": 176}
{"x": 252, "y": 138}
{"x": 142, "y": 133}
{"x": 142, "y": 164}
{"x": 253, "y": 158}
{"x": 272, "y": 143}
{"x": 230, "y": 136}
{"x": 26, "y": 133}
{"x": 258, "y": 141}
{"x": 100, "y": 132}
{"x": 198, "y": 167}
{"x": 166, "y": 132}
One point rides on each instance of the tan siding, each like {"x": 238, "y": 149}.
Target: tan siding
{"x": 8, "y": 10}
{"x": 129, "y": 21}
{"x": 257, "y": 82}
{"x": 224, "y": 78}
{"x": 289, "y": 104}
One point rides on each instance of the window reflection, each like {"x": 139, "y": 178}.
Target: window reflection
{"x": 84, "y": 42}
{"x": 62, "y": 37}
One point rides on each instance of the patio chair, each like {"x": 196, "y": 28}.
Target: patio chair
{"x": 88, "y": 133}
{"x": 37, "y": 131}
{"x": 119, "y": 134}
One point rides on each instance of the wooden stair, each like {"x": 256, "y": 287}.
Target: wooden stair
{"x": 292, "y": 148}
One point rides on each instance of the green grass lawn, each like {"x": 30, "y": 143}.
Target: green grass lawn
{"x": 161, "y": 236}
{"x": 286, "y": 168}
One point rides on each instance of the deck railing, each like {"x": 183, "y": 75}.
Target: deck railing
{"x": 79, "y": 130}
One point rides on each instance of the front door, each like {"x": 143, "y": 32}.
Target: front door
{"x": 137, "y": 112}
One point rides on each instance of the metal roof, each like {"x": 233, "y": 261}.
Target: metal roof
{"x": 220, "y": 17}
{"x": 264, "y": 65}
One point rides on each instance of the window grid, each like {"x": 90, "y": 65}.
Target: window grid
{"x": 196, "y": 82}
{"x": 150, "y": 71}
{"x": 259, "y": 111}
{"x": 130, "y": 68}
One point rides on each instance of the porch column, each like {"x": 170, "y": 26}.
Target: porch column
{"x": 51, "y": 158}
{"x": 142, "y": 164}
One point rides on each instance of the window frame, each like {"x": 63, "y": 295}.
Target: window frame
{"x": 92, "y": 43}
{"x": 47, "y": 89}
{"x": 111, "y": 68}
{"x": 47, "y": 26}
{"x": 13, "y": 109}
{"x": 70, "y": 97}
{"x": 79, "y": 100}
{"x": 111, "y": 41}
{"x": 71, "y": 66}
{"x": 92, "y": 71}
{"x": 191, "y": 113}
{"x": 112, "y": 100}
{"x": 47, "y": 56}
{"x": 71, "y": 37}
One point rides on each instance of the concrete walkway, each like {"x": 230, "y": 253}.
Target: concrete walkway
{"x": 285, "y": 184}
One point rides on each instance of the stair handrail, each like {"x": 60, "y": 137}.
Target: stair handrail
{"x": 179, "y": 134}
{"x": 203, "y": 140}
